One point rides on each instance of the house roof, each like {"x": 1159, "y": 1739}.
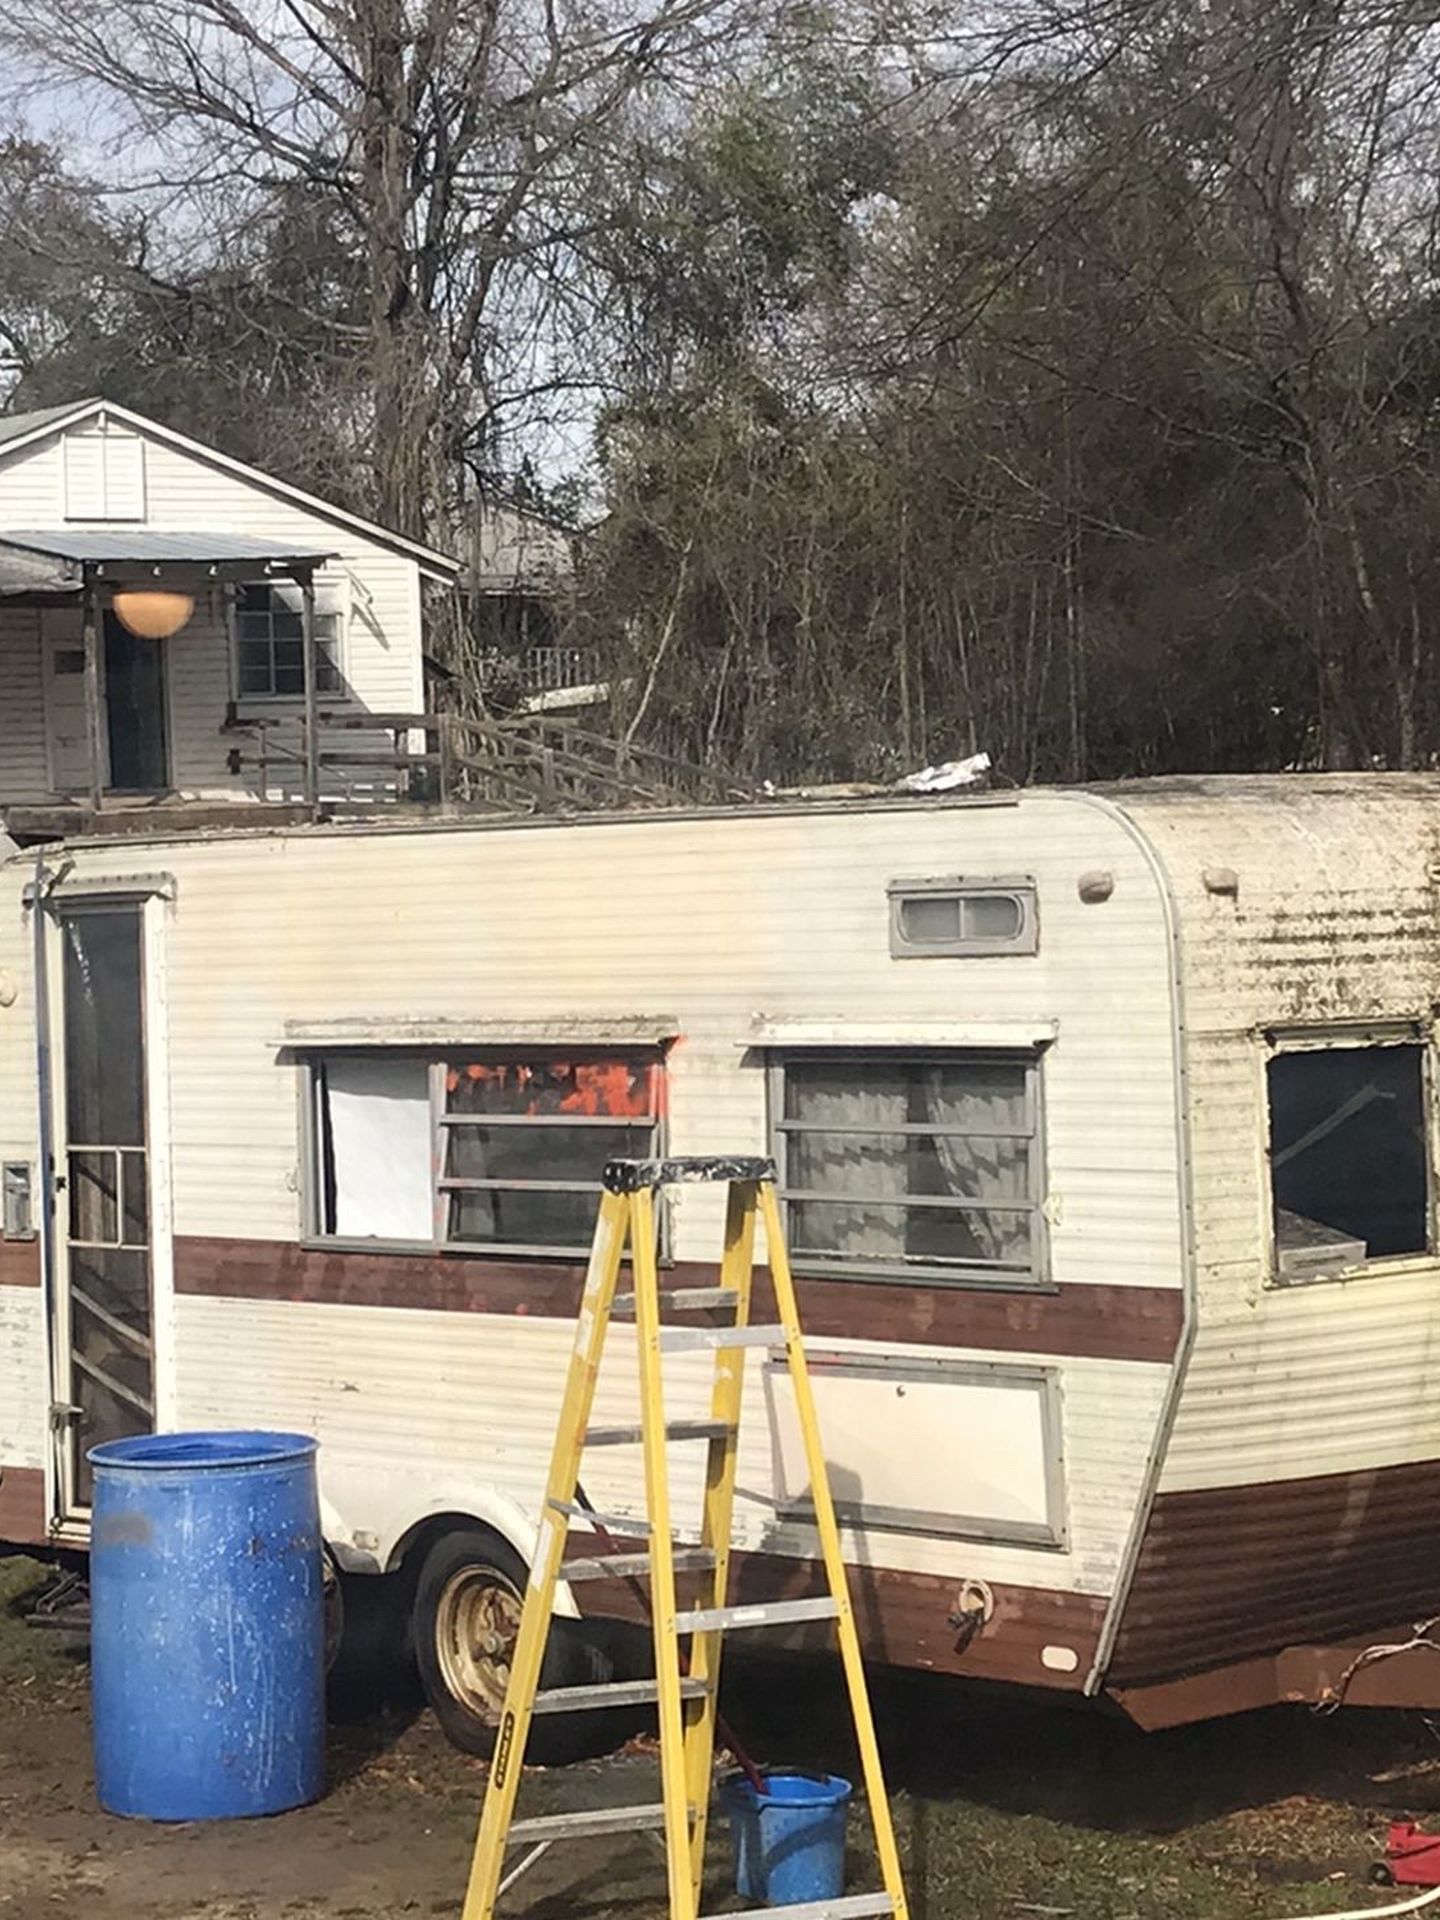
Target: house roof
{"x": 15, "y": 426}
{"x": 23, "y": 573}
{"x": 121, "y": 545}
{"x": 18, "y": 428}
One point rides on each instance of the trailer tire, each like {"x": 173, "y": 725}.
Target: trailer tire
{"x": 468, "y": 1601}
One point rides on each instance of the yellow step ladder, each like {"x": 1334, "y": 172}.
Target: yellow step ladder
{"x": 685, "y": 1691}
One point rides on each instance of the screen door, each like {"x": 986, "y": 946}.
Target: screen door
{"x": 106, "y": 1319}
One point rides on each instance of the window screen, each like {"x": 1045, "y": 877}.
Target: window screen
{"x": 912, "y": 1166}
{"x": 1348, "y": 1157}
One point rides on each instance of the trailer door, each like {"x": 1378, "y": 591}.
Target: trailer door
{"x": 104, "y": 1322}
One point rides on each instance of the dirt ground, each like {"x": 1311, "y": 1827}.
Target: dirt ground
{"x": 1005, "y": 1812}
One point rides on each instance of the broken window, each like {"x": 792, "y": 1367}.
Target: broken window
{"x": 1349, "y": 1166}
{"x": 912, "y": 1167}
{"x": 501, "y": 1151}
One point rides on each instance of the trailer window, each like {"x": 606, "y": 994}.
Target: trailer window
{"x": 526, "y": 1138}
{"x": 1349, "y": 1166}
{"x": 919, "y": 1167}
{"x": 956, "y": 917}
{"x": 496, "y": 1151}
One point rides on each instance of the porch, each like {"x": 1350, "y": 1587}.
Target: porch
{"x": 124, "y": 654}
{"x": 245, "y": 713}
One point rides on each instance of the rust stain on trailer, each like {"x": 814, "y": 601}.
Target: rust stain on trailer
{"x": 1230, "y": 1574}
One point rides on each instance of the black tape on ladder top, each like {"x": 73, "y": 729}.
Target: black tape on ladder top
{"x": 629, "y": 1176}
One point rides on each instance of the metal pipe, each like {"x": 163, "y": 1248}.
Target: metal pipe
{"x": 89, "y": 599}
{"x": 312, "y": 718}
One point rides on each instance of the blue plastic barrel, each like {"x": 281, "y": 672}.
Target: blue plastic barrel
{"x": 207, "y": 1635}
{"x": 788, "y": 1843}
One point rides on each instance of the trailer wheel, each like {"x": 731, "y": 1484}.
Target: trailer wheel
{"x": 468, "y": 1602}
{"x": 334, "y": 1604}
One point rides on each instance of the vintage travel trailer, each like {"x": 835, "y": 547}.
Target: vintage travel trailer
{"x": 1105, "y": 1123}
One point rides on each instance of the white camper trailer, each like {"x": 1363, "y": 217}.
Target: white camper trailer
{"x": 1106, "y": 1127}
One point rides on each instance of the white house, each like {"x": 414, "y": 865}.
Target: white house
{"x": 294, "y": 599}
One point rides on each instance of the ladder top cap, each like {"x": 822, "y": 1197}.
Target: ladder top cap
{"x": 630, "y": 1176}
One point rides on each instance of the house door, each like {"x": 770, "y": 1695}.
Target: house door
{"x": 65, "y": 735}
{"x": 135, "y": 711}
{"x": 104, "y": 1322}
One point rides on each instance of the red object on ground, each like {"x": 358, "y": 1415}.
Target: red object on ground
{"x": 1412, "y": 1856}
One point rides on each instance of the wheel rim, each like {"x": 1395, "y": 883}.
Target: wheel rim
{"x": 476, "y": 1620}
{"x": 334, "y": 1606}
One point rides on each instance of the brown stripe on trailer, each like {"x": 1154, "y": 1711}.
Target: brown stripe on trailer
{"x": 1096, "y": 1322}
{"x": 903, "y": 1618}
{"x": 22, "y": 1507}
{"x": 1228, "y": 1576}
{"x": 19, "y": 1263}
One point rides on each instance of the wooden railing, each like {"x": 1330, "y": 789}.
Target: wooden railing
{"x": 539, "y": 669}
{"x": 531, "y": 763}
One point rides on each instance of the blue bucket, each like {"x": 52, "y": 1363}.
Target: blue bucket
{"x": 207, "y": 1636}
{"x": 789, "y": 1843}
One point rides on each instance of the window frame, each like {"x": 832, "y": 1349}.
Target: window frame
{"x": 437, "y": 1066}
{"x": 1337, "y": 1037}
{"x": 960, "y": 887}
{"x": 917, "y": 1273}
{"x": 326, "y": 608}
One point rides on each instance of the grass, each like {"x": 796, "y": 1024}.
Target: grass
{"x": 1005, "y": 1810}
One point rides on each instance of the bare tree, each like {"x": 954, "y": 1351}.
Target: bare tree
{"x": 452, "y": 141}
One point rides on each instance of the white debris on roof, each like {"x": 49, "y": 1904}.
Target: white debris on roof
{"x": 948, "y": 775}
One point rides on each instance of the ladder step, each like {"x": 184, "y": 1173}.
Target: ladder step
{"x": 622, "y": 1523}
{"x": 612, "y": 1693}
{"x": 674, "y": 1430}
{"x": 683, "y": 1299}
{"x": 630, "y": 1176}
{"x": 760, "y": 1613}
{"x": 692, "y": 1339}
{"x": 629, "y": 1566}
{"x": 853, "y": 1906}
{"x": 576, "y": 1826}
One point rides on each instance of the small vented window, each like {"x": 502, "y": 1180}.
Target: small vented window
{"x": 952, "y": 916}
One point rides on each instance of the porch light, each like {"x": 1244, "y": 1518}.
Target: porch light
{"x": 151, "y": 613}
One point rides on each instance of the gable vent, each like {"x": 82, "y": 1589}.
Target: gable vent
{"x": 104, "y": 473}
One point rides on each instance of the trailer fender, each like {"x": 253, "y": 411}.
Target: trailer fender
{"x": 400, "y": 1521}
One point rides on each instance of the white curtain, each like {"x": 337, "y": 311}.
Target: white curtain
{"x": 980, "y": 1165}
{"x": 868, "y": 1164}
{"x": 973, "y": 1106}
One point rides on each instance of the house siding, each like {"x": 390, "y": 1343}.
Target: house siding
{"x": 24, "y": 773}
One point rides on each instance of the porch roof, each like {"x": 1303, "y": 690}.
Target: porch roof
{"x": 122, "y": 546}
{"x": 22, "y": 573}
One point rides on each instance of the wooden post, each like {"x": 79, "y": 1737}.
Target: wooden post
{"x": 312, "y": 718}
{"x": 94, "y": 732}
{"x": 444, "y": 744}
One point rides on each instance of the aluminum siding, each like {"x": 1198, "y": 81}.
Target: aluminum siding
{"x": 719, "y": 918}
{"x": 1336, "y": 920}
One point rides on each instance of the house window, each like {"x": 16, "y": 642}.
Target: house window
{"x": 1349, "y": 1162}
{"x": 269, "y": 649}
{"x": 956, "y": 917}
{"x": 496, "y": 1151}
{"x": 912, "y": 1167}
